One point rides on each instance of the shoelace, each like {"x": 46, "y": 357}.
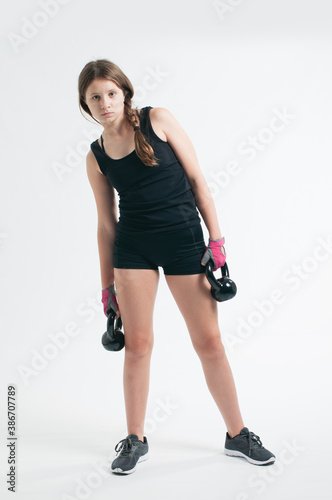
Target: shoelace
{"x": 254, "y": 440}
{"x": 125, "y": 446}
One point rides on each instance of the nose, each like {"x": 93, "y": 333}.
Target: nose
{"x": 104, "y": 104}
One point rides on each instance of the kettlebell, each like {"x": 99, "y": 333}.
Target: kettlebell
{"x": 113, "y": 339}
{"x": 223, "y": 288}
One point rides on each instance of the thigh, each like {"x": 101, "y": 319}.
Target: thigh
{"x": 136, "y": 291}
{"x": 192, "y": 293}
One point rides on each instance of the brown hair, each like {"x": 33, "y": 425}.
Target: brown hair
{"x": 103, "y": 68}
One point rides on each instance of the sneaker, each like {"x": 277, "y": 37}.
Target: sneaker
{"x": 130, "y": 451}
{"x": 248, "y": 445}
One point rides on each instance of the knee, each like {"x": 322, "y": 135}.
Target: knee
{"x": 138, "y": 346}
{"x": 210, "y": 346}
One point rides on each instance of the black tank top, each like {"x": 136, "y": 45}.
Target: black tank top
{"x": 151, "y": 199}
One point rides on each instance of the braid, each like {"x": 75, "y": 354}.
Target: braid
{"x": 142, "y": 147}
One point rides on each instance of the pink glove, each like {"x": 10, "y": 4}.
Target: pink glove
{"x": 216, "y": 252}
{"x": 109, "y": 300}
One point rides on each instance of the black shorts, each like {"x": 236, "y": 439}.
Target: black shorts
{"x": 178, "y": 251}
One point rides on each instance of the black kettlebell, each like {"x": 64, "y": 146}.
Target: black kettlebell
{"x": 223, "y": 288}
{"x": 113, "y": 339}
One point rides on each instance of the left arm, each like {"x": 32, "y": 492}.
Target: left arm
{"x": 185, "y": 152}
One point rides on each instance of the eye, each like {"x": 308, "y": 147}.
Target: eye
{"x": 93, "y": 98}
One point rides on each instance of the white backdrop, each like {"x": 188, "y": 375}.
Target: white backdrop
{"x": 250, "y": 83}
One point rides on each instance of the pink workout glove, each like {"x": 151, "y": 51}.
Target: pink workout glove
{"x": 108, "y": 298}
{"x": 216, "y": 252}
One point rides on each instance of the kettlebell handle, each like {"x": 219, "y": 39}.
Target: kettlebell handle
{"x": 210, "y": 276}
{"x": 110, "y": 321}
{"x": 224, "y": 288}
{"x": 113, "y": 338}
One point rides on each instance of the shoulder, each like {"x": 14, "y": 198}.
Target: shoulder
{"x": 156, "y": 114}
{"x": 164, "y": 120}
{"x": 91, "y": 160}
{"x": 160, "y": 114}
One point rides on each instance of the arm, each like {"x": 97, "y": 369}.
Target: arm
{"x": 107, "y": 218}
{"x": 184, "y": 150}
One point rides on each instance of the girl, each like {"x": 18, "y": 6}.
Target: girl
{"x": 148, "y": 158}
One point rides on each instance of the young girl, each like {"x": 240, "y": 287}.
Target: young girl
{"x": 148, "y": 158}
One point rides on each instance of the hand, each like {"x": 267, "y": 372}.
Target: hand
{"x": 109, "y": 301}
{"x": 216, "y": 252}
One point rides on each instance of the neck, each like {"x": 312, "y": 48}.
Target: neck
{"x": 117, "y": 128}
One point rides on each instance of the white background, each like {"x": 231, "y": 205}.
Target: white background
{"x": 225, "y": 71}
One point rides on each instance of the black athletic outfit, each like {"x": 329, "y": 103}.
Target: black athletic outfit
{"x": 159, "y": 224}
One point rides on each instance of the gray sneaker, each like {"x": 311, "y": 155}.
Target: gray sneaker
{"x": 130, "y": 451}
{"x": 248, "y": 445}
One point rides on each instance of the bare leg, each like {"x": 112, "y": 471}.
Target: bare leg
{"x": 136, "y": 292}
{"x": 200, "y": 312}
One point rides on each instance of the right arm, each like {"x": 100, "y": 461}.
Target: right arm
{"x": 107, "y": 218}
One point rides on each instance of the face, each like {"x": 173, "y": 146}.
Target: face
{"x": 104, "y": 96}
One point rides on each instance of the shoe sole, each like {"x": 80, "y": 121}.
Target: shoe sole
{"x": 141, "y": 459}
{"x": 235, "y": 453}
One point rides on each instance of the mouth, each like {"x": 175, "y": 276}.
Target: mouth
{"x": 106, "y": 114}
